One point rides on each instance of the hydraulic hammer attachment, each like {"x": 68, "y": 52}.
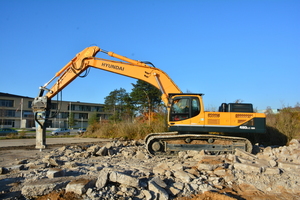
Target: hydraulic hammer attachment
{"x": 41, "y": 109}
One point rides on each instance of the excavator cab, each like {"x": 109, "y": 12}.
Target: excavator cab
{"x": 184, "y": 107}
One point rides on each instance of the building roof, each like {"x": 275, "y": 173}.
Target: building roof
{"x": 12, "y": 95}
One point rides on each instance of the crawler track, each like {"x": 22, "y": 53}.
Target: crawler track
{"x": 172, "y": 142}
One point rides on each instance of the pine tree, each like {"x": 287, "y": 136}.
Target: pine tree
{"x": 118, "y": 102}
{"x": 145, "y": 96}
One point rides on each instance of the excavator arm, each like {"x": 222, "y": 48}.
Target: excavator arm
{"x": 81, "y": 62}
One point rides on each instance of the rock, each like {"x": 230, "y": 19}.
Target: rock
{"x": 179, "y": 186}
{"x": 272, "y": 163}
{"x": 194, "y": 171}
{"x": 51, "y": 161}
{"x": 102, "y": 179}
{"x": 111, "y": 152}
{"x": 164, "y": 166}
{"x": 183, "y": 176}
{"x": 128, "y": 154}
{"x": 174, "y": 191}
{"x": 272, "y": 170}
{"x": 140, "y": 155}
{"x": 294, "y": 142}
{"x": 90, "y": 193}
{"x": 243, "y": 160}
{"x": 102, "y": 152}
{"x": 192, "y": 153}
{"x": 248, "y": 168}
{"x": 55, "y": 172}
{"x": 243, "y": 154}
{"x": 176, "y": 167}
{"x": 42, "y": 187}
{"x": 220, "y": 171}
{"x": 209, "y": 163}
{"x": 182, "y": 154}
{"x": 123, "y": 179}
{"x": 194, "y": 186}
{"x": 284, "y": 152}
{"x": 70, "y": 165}
{"x": 159, "y": 182}
{"x": 109, "y": 145}
{"x": 147, "y": 194}
{"x": 93, "y": 149}
{"x": 268, "y": 151}
{"x": 15, "y": 167}
{"x": 63, "y": 148}
{"x": 159, "y": 193}
{"x": 289, "y": 166}
{"x": 158, "y": 170}
{"x": 22, "y": 162}
{"x": 80, "y": 186}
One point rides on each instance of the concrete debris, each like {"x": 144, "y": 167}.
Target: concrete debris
{"x": 122, "y": 169}
{"x": 80, "y": 186}
{"x": 102, "y": 179}
{"x": 124, "y": 179}
{"x": 157, "y": 191}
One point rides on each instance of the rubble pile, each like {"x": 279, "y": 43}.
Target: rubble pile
{"x": 124, "y": 170}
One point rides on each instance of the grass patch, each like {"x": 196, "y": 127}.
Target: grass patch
{"x": 126, "y": 130}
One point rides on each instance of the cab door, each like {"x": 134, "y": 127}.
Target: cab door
{"x": 185, "y": 114}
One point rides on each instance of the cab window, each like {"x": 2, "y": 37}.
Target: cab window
{"x": 184, "y": 108}
{"x": 195, "y": 107}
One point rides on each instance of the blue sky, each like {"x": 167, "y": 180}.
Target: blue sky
{"x": 228, "y": 50}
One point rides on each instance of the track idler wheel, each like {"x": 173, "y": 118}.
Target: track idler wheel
{"x": 155, "y": 147}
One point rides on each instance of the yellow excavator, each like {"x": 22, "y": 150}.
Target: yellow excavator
{"x": 189, "y": 124}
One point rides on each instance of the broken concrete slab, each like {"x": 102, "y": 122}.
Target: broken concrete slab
{"x": 80, "y": 186}
{"x": 43, "y": 186}
{"x": 123, "y": 179}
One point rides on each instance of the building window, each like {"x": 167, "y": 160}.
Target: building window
{"x": 63, "y": 115}
{"x": 29, "y": 104}
{"x": 81, "y": 116}
{"x": 54, "y": 106}
{"x": 6, "y": 103}
{"x": 97, "y": 108}
{"x": 9, "y": 113}
{"x": 86, "y": 108}
{"x": 7, "y": 122}
{"x": 81, "y": 108}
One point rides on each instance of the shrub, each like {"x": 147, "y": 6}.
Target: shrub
{"x": 284, "y": 125}
{"x": 127, "y": 130}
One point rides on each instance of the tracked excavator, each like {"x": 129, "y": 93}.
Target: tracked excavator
{"x": 188, "y": 123}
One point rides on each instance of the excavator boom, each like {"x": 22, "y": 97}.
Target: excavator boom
{"x": 131, "y": 68}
